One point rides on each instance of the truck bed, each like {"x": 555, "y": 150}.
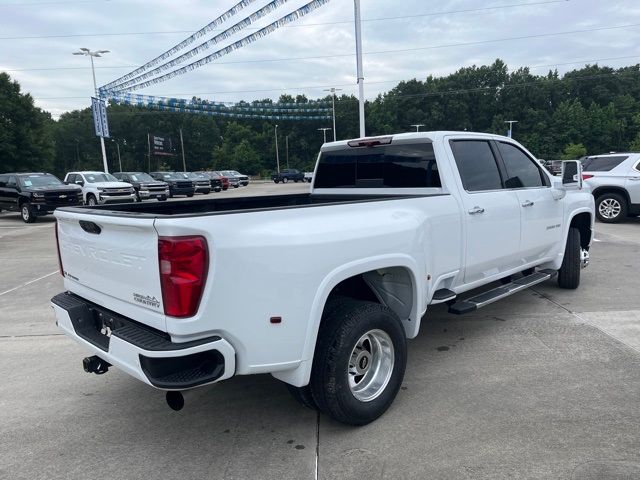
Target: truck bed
{"x": 218, "y": 206}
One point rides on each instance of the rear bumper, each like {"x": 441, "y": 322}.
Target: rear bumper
{"x": 143, "y": 352}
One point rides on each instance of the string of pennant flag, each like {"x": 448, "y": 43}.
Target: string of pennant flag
{"x": 254, "y": 115}
{"x": 134, "y": 81}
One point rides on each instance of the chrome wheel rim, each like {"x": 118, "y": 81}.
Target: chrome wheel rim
{"x": 370, "y": 365}
{"x": 92, "y": 202}
{"x": 610, "y": 208}
{"x": 25, "y": 212}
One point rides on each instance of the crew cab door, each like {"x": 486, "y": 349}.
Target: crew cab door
{"x": 491, "y": 213}
{"x": 541, "y": 215}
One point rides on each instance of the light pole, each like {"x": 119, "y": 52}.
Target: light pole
{"x": 277, "y": 153}
{"x": 511, "y": 122}
{"x": 91, "y": 54}
{"x": 360, "y": 73}
{"x": 118, "y": 148}
{"x": 287, "y": 141}
{"x": 418, "y": 125}
{"x": 333, "y": 109}
{"x": 324, "y": 132}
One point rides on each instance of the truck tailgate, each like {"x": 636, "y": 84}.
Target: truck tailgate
{"x": 113, "y": 261}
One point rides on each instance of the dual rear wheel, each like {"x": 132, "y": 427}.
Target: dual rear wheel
{"x": 359, "y": 362}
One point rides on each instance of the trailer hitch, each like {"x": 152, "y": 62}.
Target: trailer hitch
{"x": 95, "y": 365}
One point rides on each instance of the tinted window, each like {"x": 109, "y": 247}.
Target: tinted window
{"x": 39, "y": 181}
{"x": 601, "y": 164}
{"x": 3, "y": 180}
{"x": 522, "y": 171}
{"x": 392, "y": 166}
{"x": 637, "y": 167}
{"x": 71, "y": 178}
{"x": 12, "y": 182}
{"x": 477, "y": 165}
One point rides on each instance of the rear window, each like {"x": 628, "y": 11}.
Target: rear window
{"x": 602, "y": 164}
{"x": 391, "y": 166}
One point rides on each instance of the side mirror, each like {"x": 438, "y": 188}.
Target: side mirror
{"x": 80, "y": 182}
{"x": 572, "y": 174}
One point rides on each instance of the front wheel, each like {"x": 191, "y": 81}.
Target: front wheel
{"x": 26, "y": 211}
{"x": 91, "y": 201}
{"x": 275, "y": 180}
{"x": 162, "y": 199}
{"x": 569, "y": 273}
{"x": 359, "y": 362}
{"x": 285, "y": 180}
{"x": 189, "y": 195}
{"x": 611, "y": 208}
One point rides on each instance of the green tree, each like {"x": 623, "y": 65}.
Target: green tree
{"x": 574, "y": 151}
{"x": 25, "y": 131}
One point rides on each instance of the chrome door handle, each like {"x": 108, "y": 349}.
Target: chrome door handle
{"x": 528, "y": 203}
{"x": 476, "y": 210}
{"x": 634, "y": 178}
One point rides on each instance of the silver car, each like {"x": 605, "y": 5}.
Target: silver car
{"x": 615, "y": 182}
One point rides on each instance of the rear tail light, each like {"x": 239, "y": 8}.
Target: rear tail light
{"x": 183, "y": 263}
{"x": 370, "y": 142}
{"x": 586, "y": 176}
{"x": 58, "y": 249}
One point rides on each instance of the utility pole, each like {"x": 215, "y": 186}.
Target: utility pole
{"x": 360, "y": 73}
{"x": 91, "y": 54}
{"x": 149, "y": 146}
{"x": 287, "y": 141}
{"x": 511, "y": 122}
{"x": 277, "y": 153}
{"x": 184, "y": 163}
{"x": 118, "y": 148}
{"x": 324, "y": 132}
{"x": 333, "y": 103}
{"x": 418, "y": 125}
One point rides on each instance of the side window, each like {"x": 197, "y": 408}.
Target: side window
{"x": 477, "y": 165}
{"x": 71, "y": 178}
{"x": 3, "y": 180}
{"x": 12, "y": 182}
{"x": 522, "y": 171}
{"x": 637, "y": 167}
{"x": 602, "y": 164}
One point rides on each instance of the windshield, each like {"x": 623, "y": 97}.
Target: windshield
{"x": 228, "y": 173}
{"x": 100, "y": 177}
{"x": 142, "y": 177}
{"x": 39, "y": 181}
{"x": 174, "y": 175}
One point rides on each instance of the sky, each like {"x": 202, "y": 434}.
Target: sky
{"x": 402, "y": 39}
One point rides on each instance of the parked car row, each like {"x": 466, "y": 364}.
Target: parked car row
{"x": 37, "y": 194}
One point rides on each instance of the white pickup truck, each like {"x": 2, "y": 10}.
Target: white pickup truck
{"x": 320, "y": 289}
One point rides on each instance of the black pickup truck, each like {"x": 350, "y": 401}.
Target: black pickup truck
{"x": 145, "y": 185}
{"x": 36, "y": 194}
{"x": 288, "y": 174}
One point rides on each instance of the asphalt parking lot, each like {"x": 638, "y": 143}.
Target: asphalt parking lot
{"x": 542, "y": 385}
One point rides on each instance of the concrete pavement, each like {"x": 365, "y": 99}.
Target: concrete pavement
{"x": 545, "y": 384}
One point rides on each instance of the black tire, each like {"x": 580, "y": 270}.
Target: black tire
{"x": 340, "y": 332}
{"x": 303, "y": 396}
{"x": 138, "y": 199}
{"x": 91, "y": 200}
{"x": 617, "y": 211}
{"x": 296, "y": 180}
{"x": 190, "y": 195}
{"x": 276, "y": 180}
{"x": 26, "y": 212}
{"x": 285, "y": 179}
{"x": 569, "y": 273}
{"x": 162, "y": 199}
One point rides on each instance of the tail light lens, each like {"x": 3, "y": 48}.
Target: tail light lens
{"x": 184, "y": 263}
{"x": 586, "y": 176}
{"x": 58, "y": 248}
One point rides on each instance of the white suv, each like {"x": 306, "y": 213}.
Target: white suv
{"x": 99, "y": 188}
{"x": 615, "y": 182}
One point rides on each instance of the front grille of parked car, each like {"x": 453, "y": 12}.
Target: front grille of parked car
{"x": 184, "y": 184}
{"x": 117, "y": 192}
{"x": 203, "y": 183}
{"x": 62, "y": 198}
{"x": 157, "y": 188}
